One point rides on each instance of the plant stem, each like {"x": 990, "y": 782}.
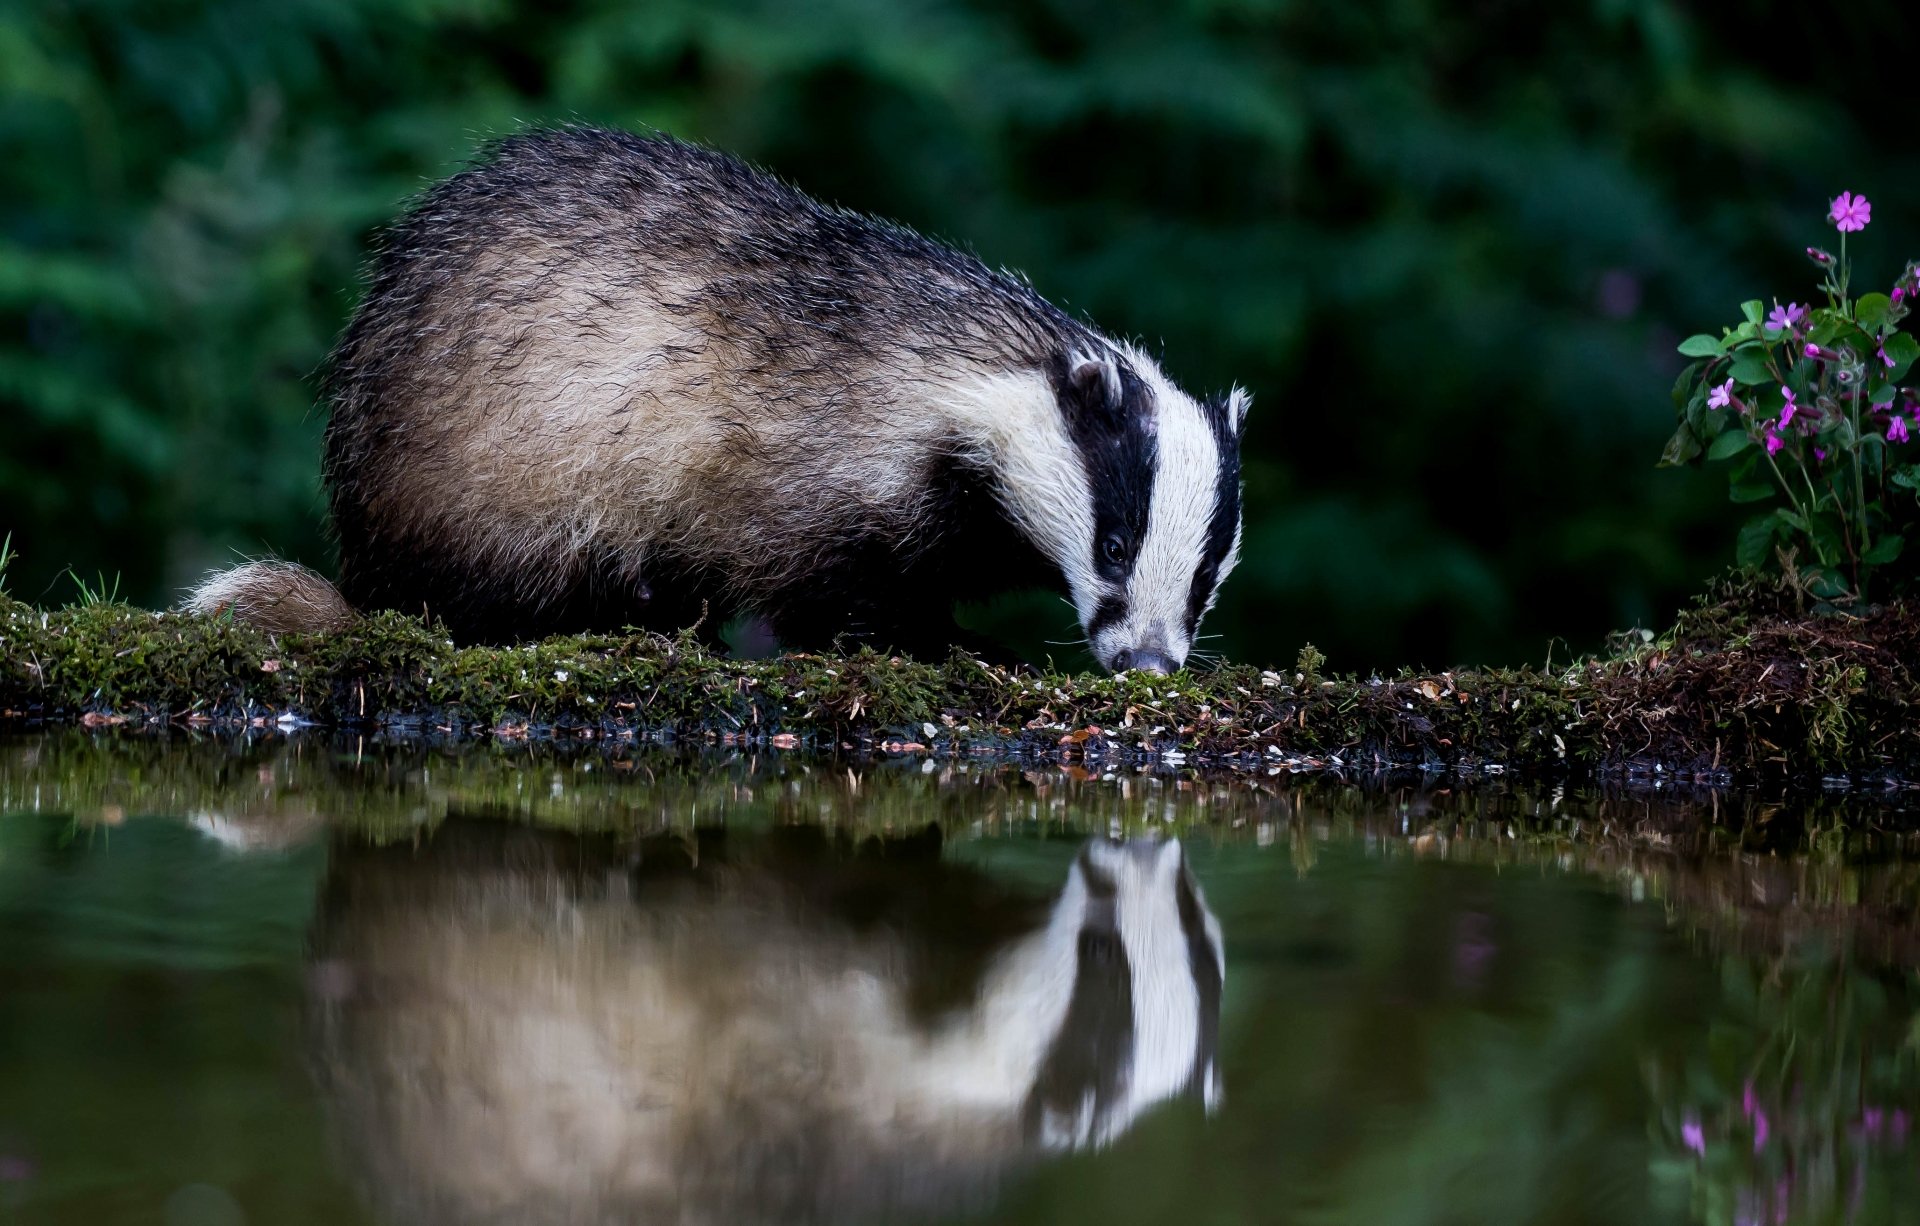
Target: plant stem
{"x": 1859, "y": 485}
{"x": 1853, "y": 413}
{"x": 1788, "y": 491}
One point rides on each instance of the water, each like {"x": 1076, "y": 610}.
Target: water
{"x": 337, "y": 982}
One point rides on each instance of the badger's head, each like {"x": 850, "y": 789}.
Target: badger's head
{"x": 1156, "y": 525}
{"x": 1142, "y": 1024}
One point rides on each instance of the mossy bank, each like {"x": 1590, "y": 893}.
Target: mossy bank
{"x": 1745, "y": 685}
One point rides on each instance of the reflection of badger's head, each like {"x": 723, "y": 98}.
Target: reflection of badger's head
{"x": 1143, "y": 1021}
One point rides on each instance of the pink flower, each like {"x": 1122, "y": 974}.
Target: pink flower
{"x": 1820, "y": 454}
{"x": 1722, "y": 396}
{"x": 1822, "y": 258}
{"x": 1812, "y": 350}
{"x": 1787, "y": 409}
{"x": 1899, "y": 292}
{"x": 1693, "y": 1136}
{"x": 1850, "y": 213}
{"x": 1882, "y": 351}
{"x": 1784, "y": 317}
{"x": 1897, "y": 429}
{"x": 1774, "y": 444}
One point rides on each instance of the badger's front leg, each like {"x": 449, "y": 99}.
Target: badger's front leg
{"x": 918, "y": 624}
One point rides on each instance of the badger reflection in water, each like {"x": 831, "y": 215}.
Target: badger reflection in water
{"x": 513, "y": 1027}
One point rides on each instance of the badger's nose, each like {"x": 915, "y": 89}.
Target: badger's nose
{"x": 1144, "y": 660}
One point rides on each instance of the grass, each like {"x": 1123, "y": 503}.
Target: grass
{"x": 101, "y": 591}
{"x": 1743, "y": 684}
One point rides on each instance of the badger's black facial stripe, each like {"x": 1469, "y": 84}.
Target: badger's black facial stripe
{"x": 1089, "y": 1057}
{"x": 1100, "y": 884}
{"x": 1226, "y": 511}
{"x": 1208, "y": 979}
{"x": 1106, "y": 613}
{"x": 1116, "y": 442}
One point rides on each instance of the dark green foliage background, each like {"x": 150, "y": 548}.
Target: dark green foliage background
{"x": 1448, "y": 247}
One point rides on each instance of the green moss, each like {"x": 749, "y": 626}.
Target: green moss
{"x": 1743, "y": 682}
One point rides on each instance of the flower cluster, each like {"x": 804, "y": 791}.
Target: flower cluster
{"x": 1808, "y": 403}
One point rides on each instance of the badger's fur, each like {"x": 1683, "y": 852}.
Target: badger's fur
{"x": 602, "y": 380}
{"x": 276, "y": 596}
{"x": 509, "y": 1028}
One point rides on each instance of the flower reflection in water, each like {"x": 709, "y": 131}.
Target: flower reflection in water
{"x": 1787, "y": 1114}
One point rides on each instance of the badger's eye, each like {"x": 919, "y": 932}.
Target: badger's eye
{"x": 1113, "y": 550}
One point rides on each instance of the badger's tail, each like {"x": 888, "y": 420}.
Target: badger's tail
{"x": 278, "y": 597}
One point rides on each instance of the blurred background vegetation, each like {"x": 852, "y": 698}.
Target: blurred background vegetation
{"x": 1449, "y": 248}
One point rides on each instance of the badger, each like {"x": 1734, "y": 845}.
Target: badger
{"x": 510, "y": 1027}
{"x": 602, "y": 380}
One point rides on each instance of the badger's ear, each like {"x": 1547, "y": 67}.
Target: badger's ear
{"x": 1239, "y": 400}
{"x": 1093, "y": 383}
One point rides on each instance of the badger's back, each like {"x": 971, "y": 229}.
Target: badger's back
{"x": 599, "y": 368}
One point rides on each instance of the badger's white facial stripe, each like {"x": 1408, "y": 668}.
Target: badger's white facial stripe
{"x": 1014, "y": 423}
{"x": 1162, "y": 578}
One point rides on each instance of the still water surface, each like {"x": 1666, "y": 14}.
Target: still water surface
{"x": 315, "y": 981}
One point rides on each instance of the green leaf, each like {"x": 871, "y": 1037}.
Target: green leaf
{"x": 1682, "y": 448}
{"x": 1754, "y": 309}
{"x": 1907, "y": 478}
{"x": 1730, "y": 443}
{"x": 1827, "y": 326}
{"x": 1683, "y": 387}
{"x": 1884, "y": 550}
{"x": 1903, "y": 349}
{"x": 1755, "y": 544}
{"x": 1750, "y": 491}
{"x": 1871, "y": 311}
{"x": 1701, "y": 346}
{"x": 1750, "y": 366}
{"x": 1695, "y": 415}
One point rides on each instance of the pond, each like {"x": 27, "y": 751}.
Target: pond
{"x": 315, "y": 980}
